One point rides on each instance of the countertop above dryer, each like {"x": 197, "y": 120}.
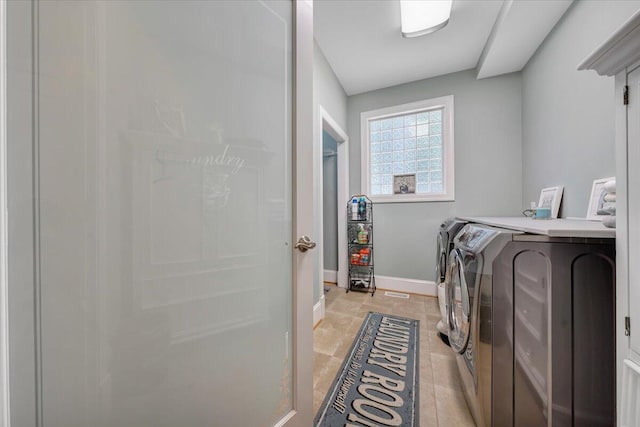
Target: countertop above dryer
{"x": 560, "y": 227}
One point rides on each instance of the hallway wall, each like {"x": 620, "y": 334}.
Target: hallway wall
{"x": 330, "y": 203}
{"x": 328, "y": 94}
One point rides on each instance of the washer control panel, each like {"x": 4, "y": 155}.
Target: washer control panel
{"x": 473, "y": 238}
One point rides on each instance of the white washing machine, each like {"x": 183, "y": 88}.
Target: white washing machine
{"x": 448, "y": 230}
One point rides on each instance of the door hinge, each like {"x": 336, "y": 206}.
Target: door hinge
{"x": 627, "y": 326}
{"x": 625, "y": 95}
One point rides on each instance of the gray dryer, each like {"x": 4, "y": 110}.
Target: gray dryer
{"x": 532, "y": 323}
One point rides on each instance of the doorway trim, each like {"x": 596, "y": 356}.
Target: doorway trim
{"x": 4, "y": 240}
{"x": 329, "y": 125}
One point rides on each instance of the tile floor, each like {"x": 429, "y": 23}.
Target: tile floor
{"x": 441, "y": 400}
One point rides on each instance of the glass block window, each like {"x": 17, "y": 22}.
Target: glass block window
{"x": 415, "y": 148}
{"x": 408, "y": 153}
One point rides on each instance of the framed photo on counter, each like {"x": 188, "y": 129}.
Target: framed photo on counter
{"x": 551, "y": 198}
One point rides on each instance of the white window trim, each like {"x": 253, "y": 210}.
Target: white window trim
{"x": 448, "y": 194}
{"x": 5, "y": 418}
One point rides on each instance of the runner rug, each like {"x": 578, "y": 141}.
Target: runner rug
{"x": 377, "y": 384}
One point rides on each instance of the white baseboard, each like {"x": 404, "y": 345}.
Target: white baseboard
{"x": 331, "y": 276}
{"x": 412, "y": 286}
{"x": 318, "y": 311}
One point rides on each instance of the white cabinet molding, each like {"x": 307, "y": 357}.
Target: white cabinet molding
{"x": 618, "y": 52}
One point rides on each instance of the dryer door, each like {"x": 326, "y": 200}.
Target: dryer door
{"x": 459, "y": 307}
{"x": 441, "y": 259}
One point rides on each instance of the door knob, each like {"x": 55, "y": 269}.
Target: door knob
{"x": 304, "y": 244}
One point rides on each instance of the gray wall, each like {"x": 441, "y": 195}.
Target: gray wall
{"x": 328, "y": 93}
{"x": 330, "y": 203}
{"x": 568, "y": 115}
{"x": 488, "y": 165}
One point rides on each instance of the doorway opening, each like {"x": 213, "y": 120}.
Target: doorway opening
{"x": 332, "y": 154}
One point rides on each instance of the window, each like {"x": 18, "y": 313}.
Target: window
{"x": 407, "y": 152}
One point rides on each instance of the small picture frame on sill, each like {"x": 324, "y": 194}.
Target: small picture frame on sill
{"x": 551, "y": 198}
{"x": 597, "y": 202}
{"x": 404, "y": 184}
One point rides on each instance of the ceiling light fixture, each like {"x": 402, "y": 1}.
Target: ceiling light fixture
{"x": 420, "y": 17}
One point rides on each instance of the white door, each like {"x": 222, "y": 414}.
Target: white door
{"x": 633, "y": 170}
{"x": 154, "y": 157}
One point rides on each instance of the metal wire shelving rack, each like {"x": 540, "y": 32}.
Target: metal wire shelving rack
{"x": 360, "y": 244}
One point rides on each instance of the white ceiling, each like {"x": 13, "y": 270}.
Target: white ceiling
{"x": 362, "y": 41}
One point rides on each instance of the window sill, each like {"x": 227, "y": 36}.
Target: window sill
{"x": 412, "y": 198}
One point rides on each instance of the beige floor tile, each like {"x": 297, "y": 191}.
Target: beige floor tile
{"x": 330, "y": 297}
{"x": 318, "y": 398}
{"x": 337, "y": 321}
{"x": 320, "y": 362}
{"x": 366, "y": 308}
{"x": 409, "y": 305}
{"x": 426, "y": 368}
{"x": 425, "y": 348}
{"x": 445, "y": 372}
{"x": 421, "y": 317}
{"x": 326, "y": 341}
{"x": 342, "y": 306}
{"x": 452, "y": 408}
{"x": 426, "y": 328}
{"x": 355, "y": 325}
{"x": 437, "y": 346}
{"x": 328, "y": 375}
{"x": 354, "y": 296}
{"x": 349, "y": 335}
{"x": 330, "y": 291}
{"x": 428, "y": 411}
{"x": 344, "y": 347}
{"x": 432, "y": 306}
{"x": 319, "y": 358}
{"x": 359, "y": 316}
{"x": 432, "y": 320}
{"x": 380, "y": 300}
{"x": 410, "y": 312}
{"x": 416, "y": 297}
